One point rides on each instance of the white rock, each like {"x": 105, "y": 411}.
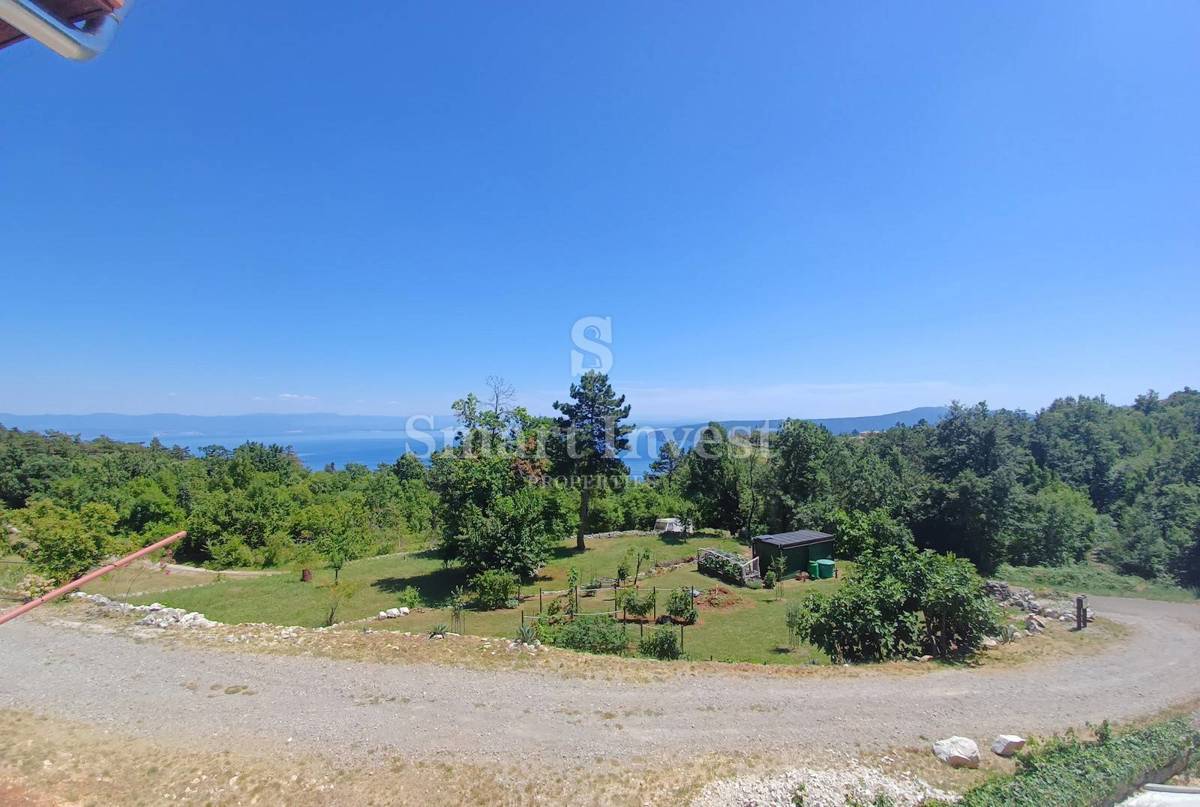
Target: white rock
{"x": 1007, "y": 744}
{"x": 402, "y": 611}
{"x": 957, "y": 752}
{"x": 393, "y": 612}
{"x": 989, "y": 643}
{"x": 383, "y": 615}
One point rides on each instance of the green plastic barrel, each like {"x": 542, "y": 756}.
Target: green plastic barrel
{"x": 814, "y": 570}
{"x": 826, "y": 568}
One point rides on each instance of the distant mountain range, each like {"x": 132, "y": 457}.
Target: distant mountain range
{"x": 189, "y": 428}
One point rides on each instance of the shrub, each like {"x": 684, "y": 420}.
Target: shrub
{"x": 593, "y": 634}
{"x": 494, "y": 588}
{"x": 681, "y": 606}
{"x": 900, "y": 600}
{"x": 1068, "y": 771}
{"x": 769, "y": 579}
{"x": 59, "y": 543}
{"x": 527, "y": 634}
{"x": 634, "y": 605}
{"x": 410, "y": 597}
{"x": 439, "y": 631}
{"x": 662, "y": 644}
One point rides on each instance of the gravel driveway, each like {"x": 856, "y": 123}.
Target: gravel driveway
{"x": 365, "y": 710}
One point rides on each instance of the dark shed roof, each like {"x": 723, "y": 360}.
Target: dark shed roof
{"x": 785, "y": 540}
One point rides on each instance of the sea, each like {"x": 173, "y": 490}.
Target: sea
{"x": 369, "y": 448}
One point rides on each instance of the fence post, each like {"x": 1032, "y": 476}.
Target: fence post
{"x": 522, "y": 617}
{"x": 654, "y": 593}
{"x": 539, "y": 600}
{"x": 680, "y": 637}
{"x": 1081, "y": 612}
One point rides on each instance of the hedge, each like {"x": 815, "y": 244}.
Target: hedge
{"x": 1067, "y": 772}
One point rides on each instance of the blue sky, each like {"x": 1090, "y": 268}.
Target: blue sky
{"x": 785, "y": 209}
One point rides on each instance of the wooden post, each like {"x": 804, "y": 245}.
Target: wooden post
{"x": 680, "y": 637}
{"x": 654, "y": 592}
{"x": 522, "y": 617}
{"x": 1081, "y": 611}
{"x": 539, "y": 600}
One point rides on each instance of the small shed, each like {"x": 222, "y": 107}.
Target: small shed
{"x": 797, "y": 549}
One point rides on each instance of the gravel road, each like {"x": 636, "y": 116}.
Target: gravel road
{"x": 368, "y": 710}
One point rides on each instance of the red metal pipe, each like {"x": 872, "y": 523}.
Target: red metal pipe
{"x": 89, "y": 577}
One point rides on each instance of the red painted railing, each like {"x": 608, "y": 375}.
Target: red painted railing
{"x": 89, "y": 577}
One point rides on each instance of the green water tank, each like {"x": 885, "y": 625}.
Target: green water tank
{"x": 814, "y": 570}
{"x": 826, "y": 568}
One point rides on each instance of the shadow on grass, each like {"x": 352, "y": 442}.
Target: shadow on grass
{"x": 435, "y": 587}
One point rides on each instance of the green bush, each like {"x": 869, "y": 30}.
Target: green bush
{"x": 494, "y": 588}
{"x": 410, "y": 597}
{"x": 632, "y": 604}
{"x": 60, "y": 543}
{"x": 661, "y": 643}
{"x": 681, "y": 606}
{"x": 1068, "y": 772}
{"x": 592, "y": 634}
{"x": 769, "y": 579}
{"x": 899, "y": 601}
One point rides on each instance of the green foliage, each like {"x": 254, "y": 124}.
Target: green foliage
{"x": 899, "y": 601}
{"x": 1092, "y": 579}
{"x": 1068, "y": 772}
{"x": 515, "y": 535}
{"x": 592, "y": 634}
{"x": 439, "y": 631}
{"x": 681, "y": 606}
{"x": 769, "y": 579}
{"x": 527, "y": 634}
{"x": 409, "y": 597}
{"x": 633, "y": 604}
{"x": 494, "y": 588}
{"x": 591, "y": 433}
{"x": 60, "y": 543}
{"x": 779, "y": 567}
{"x": 662, "y": 643}
{"x": 724, "y": 565}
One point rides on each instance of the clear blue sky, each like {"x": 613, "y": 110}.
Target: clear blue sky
{"x": 786, "y": 209}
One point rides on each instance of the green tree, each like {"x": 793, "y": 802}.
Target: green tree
{"x": 592, "y": 433}
{"x": 58, "y": 542}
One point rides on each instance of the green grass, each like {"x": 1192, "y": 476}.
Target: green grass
{"x": 1087, "y": 578}
{"x": 752, "y": 631}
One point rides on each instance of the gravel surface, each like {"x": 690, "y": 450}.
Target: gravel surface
{"x": 359, "y": 711}
{"x": 820, "y": 788}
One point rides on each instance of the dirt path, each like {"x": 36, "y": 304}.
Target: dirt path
{"x": 358, "y": 711}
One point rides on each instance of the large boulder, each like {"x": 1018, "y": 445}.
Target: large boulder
{"x": 1007, "y": 744}
{"x": 957, "y": 752}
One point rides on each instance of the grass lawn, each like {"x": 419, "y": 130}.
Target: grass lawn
{"x": 750, "y": 630}
{"x": 1091, "y": 578}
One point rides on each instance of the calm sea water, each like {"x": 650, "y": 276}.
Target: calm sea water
{"x": 368, "y": 448}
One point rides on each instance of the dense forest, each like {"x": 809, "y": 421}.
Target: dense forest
{"x": 1080, "y": 479}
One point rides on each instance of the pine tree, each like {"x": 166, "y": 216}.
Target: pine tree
{"x": 591, "y": 436}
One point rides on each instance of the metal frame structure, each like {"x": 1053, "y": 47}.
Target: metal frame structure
{"x": 79, "y": 44}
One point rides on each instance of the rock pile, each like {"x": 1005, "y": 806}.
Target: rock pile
{"x": 1023, "y": 598}
{"x": 157, "y": 615}
{"x": 392, "y": 613}
{"x": 855, "y": 784}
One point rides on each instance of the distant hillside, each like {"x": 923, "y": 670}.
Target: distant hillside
{"x": 140, "y": 428}
{"x": 647, "y": 439}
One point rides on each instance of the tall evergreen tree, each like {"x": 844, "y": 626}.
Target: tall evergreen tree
{"x": 591, "y": 435}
